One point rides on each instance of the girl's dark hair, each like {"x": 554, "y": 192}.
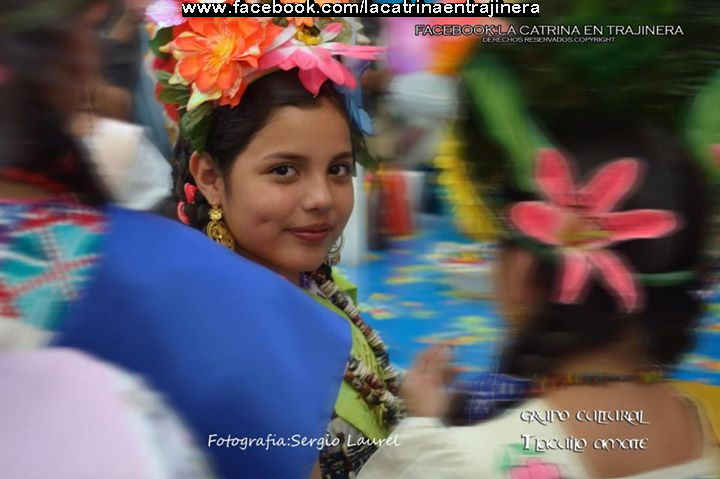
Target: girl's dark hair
{"x": 35, "y": 53}
{"x": 233, "y": 128}
{"x": 671, "y": 180}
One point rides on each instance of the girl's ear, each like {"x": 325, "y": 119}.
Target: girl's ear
{"x": 207, "y": 177}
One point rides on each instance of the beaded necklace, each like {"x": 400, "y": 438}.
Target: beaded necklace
{"x": 544, "y": 384}
{"x": 376, "y": 390}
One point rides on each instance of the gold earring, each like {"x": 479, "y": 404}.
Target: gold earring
{"x": 333, "y": 257}
{"x": 217, "y": 230}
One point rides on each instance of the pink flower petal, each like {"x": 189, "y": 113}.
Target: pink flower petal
{"x": 330, "y": 32}
{"x": 165, "y": 13}
{"x": 283, "y": 37}
{"x": 288, "y": 64}
{"x": 553, "y": 175}
{"x": 275, "y": 57}
{"x": 542, "y": 470}
{"x": 575, "y": 273}
{"x": 609, "y": 185}
{"x": 304, "y": 58}
{"x": 353, "y": 51}
{"x": 520, "y": 472}
{"x": 336, "y": 71}
{"x": 617, "y": 276}
{"x": 639, "y": 224}
{"x": 312, "y": 79}
{"x": 538, "y": 220}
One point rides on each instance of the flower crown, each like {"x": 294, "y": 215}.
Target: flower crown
{"x": 206, "y": 62}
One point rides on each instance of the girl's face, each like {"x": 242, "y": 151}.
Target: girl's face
{"x": 289, "y": 194}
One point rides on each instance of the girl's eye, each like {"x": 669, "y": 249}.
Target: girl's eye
{"x": 341, "y": 170}
{"x": 285, "y": 171}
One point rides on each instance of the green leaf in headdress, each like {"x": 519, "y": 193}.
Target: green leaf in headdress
{"x": 175, "y": 94}
{"x": 497, "y": 96}
{"x": 703, "y": 128}
{"x": 195, "y": 125}
{"x": 651, "y": 79}
{"x": 362, "y": 153}
{"x": 163, "y": 77}
{"x": 162, "y": 38}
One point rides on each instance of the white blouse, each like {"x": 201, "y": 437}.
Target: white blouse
{"x": 423, "y": 448}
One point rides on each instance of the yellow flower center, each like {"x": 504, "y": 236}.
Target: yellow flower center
{"x": 579, "y": 231}
{"x": 223, "y": 49}
{"x": 307, "y": 38}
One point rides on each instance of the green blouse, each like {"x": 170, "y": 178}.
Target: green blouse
{"x": 350, "y": 405}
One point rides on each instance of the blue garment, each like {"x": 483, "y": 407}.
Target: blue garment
{"x": 237, "y": 349}
{"x": 487, "y": 392}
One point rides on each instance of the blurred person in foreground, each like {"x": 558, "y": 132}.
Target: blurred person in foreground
{"x": 202, "y": 325}
{"x": 128, "y": 162}
{"x": 599, "y": 163}
{"x": 67, "y": 398}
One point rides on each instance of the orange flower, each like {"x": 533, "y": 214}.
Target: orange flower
{"x": 215, "y": 53}
{"x": 302, "y": 21}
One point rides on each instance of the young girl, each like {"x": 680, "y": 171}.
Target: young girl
{"x": 606, "y": 211}
{"x": 590, "y": 338}
{"x": 271, "y": 179}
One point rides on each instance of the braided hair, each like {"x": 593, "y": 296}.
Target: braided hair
{"x": 233, "y": 128}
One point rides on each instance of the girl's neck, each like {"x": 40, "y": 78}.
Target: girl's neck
{"x": 601, "y": 364}
{"x": 293, "y": 276}
{"x": 624, "y": 356}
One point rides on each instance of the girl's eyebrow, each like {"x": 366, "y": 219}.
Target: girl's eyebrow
{"x": 342, "y": 156}
{"x": 302, "y": 158}
{"x": 285, "y": 156}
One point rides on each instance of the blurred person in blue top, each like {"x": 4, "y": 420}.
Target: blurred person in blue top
{"x": 216, "y": 334}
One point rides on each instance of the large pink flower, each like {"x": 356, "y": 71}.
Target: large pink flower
{"x": 535, "y": 469}
{"x": 578, "y": 221}
{"x": 313, "y": 56}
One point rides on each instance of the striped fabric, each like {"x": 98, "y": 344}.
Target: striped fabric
{"x": 47, "y": 252}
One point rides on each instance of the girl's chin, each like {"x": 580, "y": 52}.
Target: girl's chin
{"x": 304, "y": 264}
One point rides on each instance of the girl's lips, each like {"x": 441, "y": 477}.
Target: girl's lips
{"x": 312, "y": 233}
{"x": 311, "y": 236}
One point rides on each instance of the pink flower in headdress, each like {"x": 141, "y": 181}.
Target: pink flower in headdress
{"x": 165, "y": 13}
{"x": 579, "y": 223}
{"x": 168, "y": 13}
{"x": 535, "y": 469}
{"x": 313, "y": 56}
{"x": 716, "y": 151}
